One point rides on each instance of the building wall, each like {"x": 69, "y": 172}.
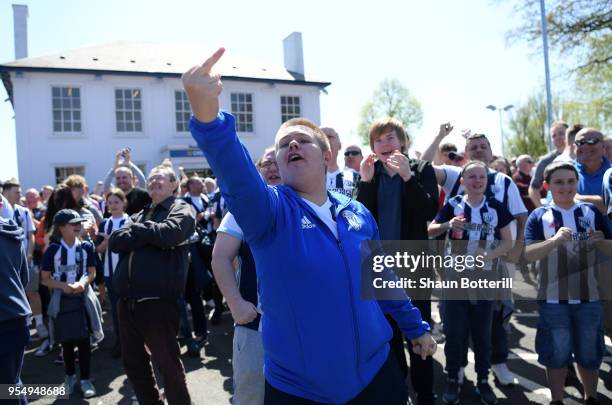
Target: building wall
{"x": 40, "y": 150}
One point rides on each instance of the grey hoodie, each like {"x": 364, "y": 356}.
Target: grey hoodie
{"x": 13, "y": 272}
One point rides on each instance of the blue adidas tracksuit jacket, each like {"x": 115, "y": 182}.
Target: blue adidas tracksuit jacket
{"x": 321, "y": 340}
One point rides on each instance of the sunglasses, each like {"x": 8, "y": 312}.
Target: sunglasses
{"x": 592, "y": 141}
{"x": 352, "y": 153}
{"x": 454, "y": 156}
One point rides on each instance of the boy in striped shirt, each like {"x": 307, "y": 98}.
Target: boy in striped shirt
{"x": 565, "y": 236}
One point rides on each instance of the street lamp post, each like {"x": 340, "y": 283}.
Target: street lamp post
{"x": 501, "y": 126}
{"x": 549, "y": 113}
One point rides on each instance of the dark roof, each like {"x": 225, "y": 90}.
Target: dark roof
{"x": 151, "y": 59}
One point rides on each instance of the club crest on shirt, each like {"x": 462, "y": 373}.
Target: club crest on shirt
{"x": 487, "y": 217}
{"x": 353, "y": 220}
{"x": 585, "y": 223}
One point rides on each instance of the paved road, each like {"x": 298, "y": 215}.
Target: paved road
{"x": 210, "y": 381}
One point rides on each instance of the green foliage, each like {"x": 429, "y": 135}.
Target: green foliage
{"x": 528, "y": 129}
{"x": 580, "y": 30}
{"x": 391, "y": 99}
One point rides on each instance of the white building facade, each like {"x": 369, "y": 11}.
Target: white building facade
{"x": 74, "y": 118}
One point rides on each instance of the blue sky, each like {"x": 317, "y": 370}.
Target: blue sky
{"x": 452, "y": 55}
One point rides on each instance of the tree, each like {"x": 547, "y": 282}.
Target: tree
{"x": 528, "y": 127}
{"x": 391, "y": 99}
{"x": 590, "y": 101}
{"x": 578, "y": 28}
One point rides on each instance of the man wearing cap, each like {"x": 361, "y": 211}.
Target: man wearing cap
{"x": 150, "y": 279}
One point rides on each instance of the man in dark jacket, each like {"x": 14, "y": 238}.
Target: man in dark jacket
{"x": 14, "y": 307}
{"x": 402, "y": 194}
{"x": 150, "y": 278}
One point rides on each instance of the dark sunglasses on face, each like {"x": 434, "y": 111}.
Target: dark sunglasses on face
{"x": 592, "y": 141}
{"x": 352, "y": 153}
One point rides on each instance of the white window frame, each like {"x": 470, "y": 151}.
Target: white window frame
{"x": 238, "y": 114}
{"x": 65, "y": 166}
{"x": 285, "y": 116}
{"x": 133, "y": 121}
{"x": 70, "y": 109}
{"x": 181, "y": 112}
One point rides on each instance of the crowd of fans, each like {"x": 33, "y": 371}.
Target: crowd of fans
{"x": 156, "y": 251}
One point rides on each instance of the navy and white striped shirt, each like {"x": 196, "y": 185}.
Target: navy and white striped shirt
{"x": 69, "y": 264}
{"x": 499, "y": 186}
{"x": 342, "y": 181}
{"x": 568, "y": 274}
{"x": 108, "y": 226}
{"x": 482, "y": 222}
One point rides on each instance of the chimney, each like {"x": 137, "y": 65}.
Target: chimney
{"x": 20, "y": 27}
{"x": 294, "y": 55}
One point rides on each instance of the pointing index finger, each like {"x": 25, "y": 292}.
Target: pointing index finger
{"x": 210, "y": 62}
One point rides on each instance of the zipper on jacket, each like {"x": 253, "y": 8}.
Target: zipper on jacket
{"x": 348, "y": 275}
{"x": 351, "y": 294}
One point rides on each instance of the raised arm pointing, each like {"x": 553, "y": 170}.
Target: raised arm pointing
{"x": 203, "y": 89}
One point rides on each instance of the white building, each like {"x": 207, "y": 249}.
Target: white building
{"x": 75, "y": 109}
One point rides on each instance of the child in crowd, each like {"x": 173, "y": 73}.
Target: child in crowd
{"x": 68, "y": 268}
{"x": 472, "y": 217}
{"x": 562, "y": 236}
{"x": 116, "y": 203}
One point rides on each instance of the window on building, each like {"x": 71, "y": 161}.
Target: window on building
{"x": 66, "y": 106}
{"x": 290, "y": 107}
{"x": 242, "y": 110}
{"x": 183, "y": 111}
{"x": 128, "y": 106}
{"x": 62, "y": 172}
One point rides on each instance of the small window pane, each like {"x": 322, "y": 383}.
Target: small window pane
{"x": 242, "y": 109}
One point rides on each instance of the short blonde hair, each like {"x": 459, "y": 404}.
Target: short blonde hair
{"x": 388, "y": 124}
{"x": 319, "y": 136}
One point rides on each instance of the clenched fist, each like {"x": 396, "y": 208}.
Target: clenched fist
{"x": 203, "y": 89}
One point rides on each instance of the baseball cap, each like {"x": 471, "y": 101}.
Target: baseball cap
{"x": 67, "y": 216}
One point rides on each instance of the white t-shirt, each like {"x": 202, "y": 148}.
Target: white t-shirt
{"x": 325, "y": 214}
{"x": 230, "y": 226}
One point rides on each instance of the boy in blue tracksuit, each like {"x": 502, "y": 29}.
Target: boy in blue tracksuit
{"x": 322, "y": 342}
